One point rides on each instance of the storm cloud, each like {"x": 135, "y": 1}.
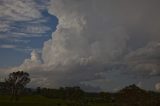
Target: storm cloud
{"x": 101, "y": 43}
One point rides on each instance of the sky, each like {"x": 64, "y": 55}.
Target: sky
{"x": 99, "y": 45}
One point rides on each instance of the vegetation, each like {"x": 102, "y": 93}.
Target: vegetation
{"x": 74, "y": 96}
{"x": 16, "y": 82}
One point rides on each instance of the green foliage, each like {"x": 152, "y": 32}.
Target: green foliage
{"x": 69, "y": 93}
{"x": 17, "y": 79}
{"x": 74, "y": 96}
{"x": 31, "y": 101}
{"x": 134, "y": 96}
{"x": 16, "y": 82}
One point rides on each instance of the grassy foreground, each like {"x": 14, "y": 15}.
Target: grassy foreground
{"x": 31, "y": 101}
{"x": 43, "y": 101}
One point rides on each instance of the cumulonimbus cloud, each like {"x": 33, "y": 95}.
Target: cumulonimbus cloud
{"x": 97, "y": 36}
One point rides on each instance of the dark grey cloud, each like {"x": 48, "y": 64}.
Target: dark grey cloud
{"x": 146, "y": 59}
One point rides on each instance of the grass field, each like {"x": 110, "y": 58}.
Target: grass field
{"x": 31, "y": 101}
{"x": 43, "y": 101}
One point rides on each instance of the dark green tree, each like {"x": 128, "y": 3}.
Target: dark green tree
{"x": 16, "y": 81}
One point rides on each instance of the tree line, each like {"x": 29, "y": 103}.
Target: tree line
{"x": 131, "y": 95}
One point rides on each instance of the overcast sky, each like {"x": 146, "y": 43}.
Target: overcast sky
{"x": 96, "y": 44}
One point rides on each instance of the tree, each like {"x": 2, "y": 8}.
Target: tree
{"x": 16, "y": 81}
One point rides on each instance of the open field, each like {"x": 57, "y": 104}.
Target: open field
{"x": 43, "y": 101}
{"x": 31, "y": 101}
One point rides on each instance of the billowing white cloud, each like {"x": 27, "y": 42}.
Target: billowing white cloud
{"x": 99, "y": 33}
{"x": 33, "y": 61}
{"x": 83, "y": 34}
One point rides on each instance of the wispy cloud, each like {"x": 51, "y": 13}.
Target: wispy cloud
{"x": 28, "y": 49}
{"x": 8, "y": 46}
{"x": 4, "y": 25}
{"x": 19, "y": 10}
{"x": 21, "y": 19}
{"x": 35, "y": 29}
{"x": 19, "y": 41}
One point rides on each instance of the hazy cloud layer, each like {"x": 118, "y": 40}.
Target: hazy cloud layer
{"x": 100, "y": 43}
